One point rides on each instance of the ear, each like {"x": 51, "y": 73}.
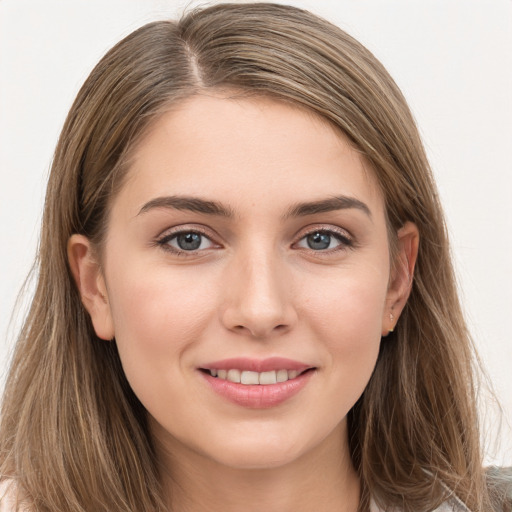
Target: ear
{"x": 401, "y": 278}
{"x": 89, "y": 279}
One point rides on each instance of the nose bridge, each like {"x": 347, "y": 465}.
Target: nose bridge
{"x": 258, "y": 296}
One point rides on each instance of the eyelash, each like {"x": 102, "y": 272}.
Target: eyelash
{"x": 344, "y": 239}
{"x": 163, "y": 242}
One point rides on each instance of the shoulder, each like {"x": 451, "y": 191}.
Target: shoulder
{"x": 10, "y": 499}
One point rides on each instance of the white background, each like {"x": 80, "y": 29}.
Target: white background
{"x": 452, "y": 59}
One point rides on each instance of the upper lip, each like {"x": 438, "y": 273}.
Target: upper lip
{"x": 257, "y": 365}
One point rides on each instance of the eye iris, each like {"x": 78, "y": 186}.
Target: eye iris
{"x": 319, "y": 240}
{"x": 189, "y": 241}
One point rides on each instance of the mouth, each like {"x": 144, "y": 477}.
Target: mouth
{"x": 252, "y": 378}
{"x": 257, "y": 384}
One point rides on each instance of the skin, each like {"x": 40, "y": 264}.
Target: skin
{"x": 254, "y": 288}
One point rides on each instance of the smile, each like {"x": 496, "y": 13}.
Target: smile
{"x": 257, "y": 384}
{"x": 251, "y": 378}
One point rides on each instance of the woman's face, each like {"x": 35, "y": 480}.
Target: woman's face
{"x": 248, "y": 242}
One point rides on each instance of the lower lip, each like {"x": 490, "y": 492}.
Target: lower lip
{"x": 258, "y": 396}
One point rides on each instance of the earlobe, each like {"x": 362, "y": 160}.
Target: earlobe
{"x": 401, "y": 276}
{"x": 90, "y": 282}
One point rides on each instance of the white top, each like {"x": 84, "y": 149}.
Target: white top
{"x": 8, "y": 496}
{"x": 454, "y": 505}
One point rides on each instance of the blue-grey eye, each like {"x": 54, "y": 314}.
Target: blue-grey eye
{"x": 318, "y": 241}
{"x": 322, "y": 240}
{"x": 188, "y": 241}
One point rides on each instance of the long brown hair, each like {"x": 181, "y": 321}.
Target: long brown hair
{"x": 73, "y": 435}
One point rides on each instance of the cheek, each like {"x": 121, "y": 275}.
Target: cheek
{"x": 146, "y": 298}
{"x": 347, "y": 316}
{"x": 158, "y": 317}
{"x": 350, "y": 303}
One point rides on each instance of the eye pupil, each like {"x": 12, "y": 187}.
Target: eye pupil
{"x": 318, "y": 240}
{"x": 189, "y": 241}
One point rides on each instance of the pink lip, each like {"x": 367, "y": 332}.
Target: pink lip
{"x": 257, "y": 365}
{"x": 257, "y": 396}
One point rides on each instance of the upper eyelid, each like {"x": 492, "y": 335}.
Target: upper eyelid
{"x": 193, "y": 228}
{"x": 205, "y": 230}
{"x": 172, "y": 232}
{"x": 163, "y": 240}
{"x": 169, "y": 236}
{"x": 346, "y": 241}
{"x": 342, "y": 232}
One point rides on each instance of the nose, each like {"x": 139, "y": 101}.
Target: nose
{"x": 258, "y": 297}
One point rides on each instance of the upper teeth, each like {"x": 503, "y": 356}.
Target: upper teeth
{"x": 247, "y": 377}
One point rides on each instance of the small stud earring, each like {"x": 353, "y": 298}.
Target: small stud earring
{"x": 391, "y": 319}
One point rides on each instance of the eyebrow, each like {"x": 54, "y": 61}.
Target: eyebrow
{"x": 192, "y": 204}
{"x": 327, "y": 205}
{"x": 195, "y": 204}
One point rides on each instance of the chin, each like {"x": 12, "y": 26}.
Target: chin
{"x": 264, "y": 453}
{"x": 256, "y": 460}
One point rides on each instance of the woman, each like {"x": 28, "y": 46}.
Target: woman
{"x": 245, "y": 294}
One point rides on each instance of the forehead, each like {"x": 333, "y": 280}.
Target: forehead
{"x": 238, "y": 148}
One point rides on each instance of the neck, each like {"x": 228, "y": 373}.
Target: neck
{"x": 323, "y": 480}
